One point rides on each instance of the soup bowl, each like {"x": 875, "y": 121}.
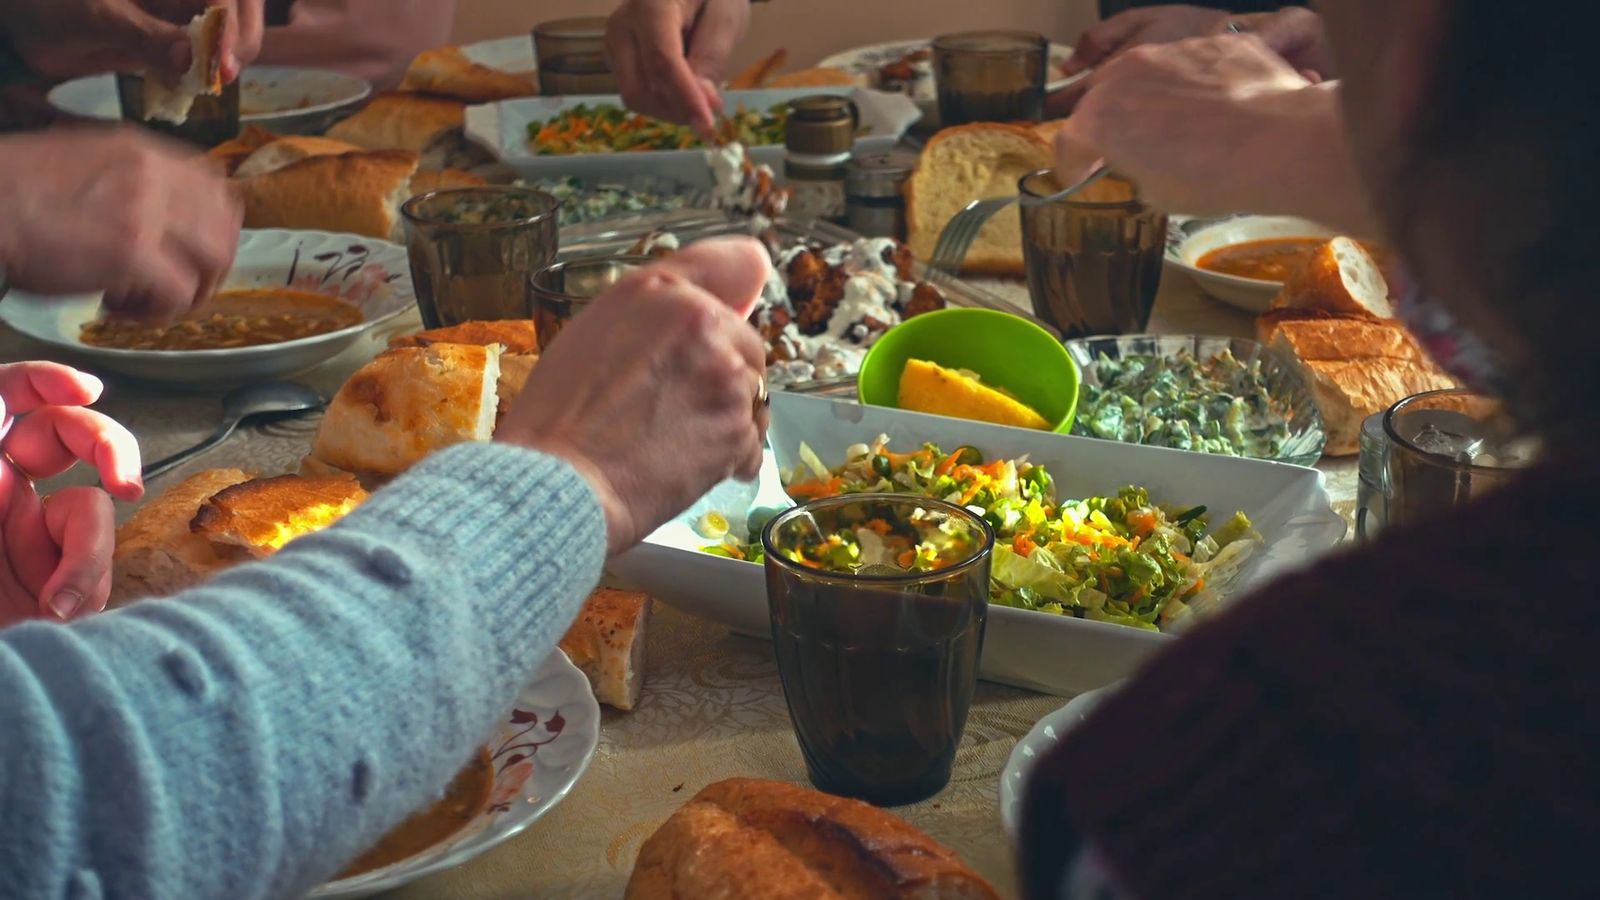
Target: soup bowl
{"x": 1189, "y": 239}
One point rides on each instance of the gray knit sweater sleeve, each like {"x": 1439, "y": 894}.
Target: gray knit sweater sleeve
{"x": 248, "y": 737}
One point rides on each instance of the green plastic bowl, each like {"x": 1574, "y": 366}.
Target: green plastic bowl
{"x": 1006, "y": 351}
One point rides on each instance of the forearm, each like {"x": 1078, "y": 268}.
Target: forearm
{"x": 1302, "y": 144}
{"x": 248, "y": 737}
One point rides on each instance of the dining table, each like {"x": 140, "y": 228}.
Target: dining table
{"x": 712, "y": 706}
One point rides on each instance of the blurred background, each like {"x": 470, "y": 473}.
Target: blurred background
{"x": 809, "y": 29}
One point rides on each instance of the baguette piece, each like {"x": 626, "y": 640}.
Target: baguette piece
{"x": 264, "y": 514}
{"x": 407, "y": 403}
{"x": 157, "y": 553}
{"x": 447, "y": 72}
{"x": 233, "y": 152}
{"x": 752, "y": 838}
{"x": 169, "y": 100}
{"x": 274, "y": 155}
{"x": 607, "y": 644}
{"x": 1340, "y": 277}
{"x": 517, "y": 337}
{"x": 402, "y": 122}
{"x": 359, "y": 193}
{"x": 974, "y": 162}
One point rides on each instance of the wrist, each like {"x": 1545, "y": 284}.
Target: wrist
{"x": 1308, "y": 154}
{"x": 611, "y": 506}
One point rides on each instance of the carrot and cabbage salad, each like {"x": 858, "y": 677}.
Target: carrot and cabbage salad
{"x": 1120, "y": 558}
{"x": 606, "y": 128}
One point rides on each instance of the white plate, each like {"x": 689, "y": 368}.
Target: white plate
{"x": 1190, "y": 238}
{"x": 373, "y": 274}
{"x": 865, "y": 61}
{"x": 502, "y": 129}
{"x": 282, "y": 99}
{"x": 512, "y": 54}
{"x": 1289, "y": 506}
{"x": 1046, "y": 733}
{"x": 539, "y": 753}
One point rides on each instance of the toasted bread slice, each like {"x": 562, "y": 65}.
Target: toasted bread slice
{"x": 263, "y": 515}
{"x": 974, "y": 162}
{"x": 157, "y": 554}
{"x": 607, "y": 643}
{"x": 407, "y": 403}
{"x": 169, "y": 100}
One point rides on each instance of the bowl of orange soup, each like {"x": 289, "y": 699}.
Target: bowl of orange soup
{"x": 1244, "y": 260}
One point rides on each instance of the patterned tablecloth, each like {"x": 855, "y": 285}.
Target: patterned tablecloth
{"x": 712, "y": 708}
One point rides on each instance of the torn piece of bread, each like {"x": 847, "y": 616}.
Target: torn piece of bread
{"x": 264, "y": 514}
{"x": 1339, "y": 277}
{"x": 358, "y": 193}
{"x": 607, "y": 643}
{"x": 402, "y": 122}
{"x": 157, "y": 554}
{"x": 407, "y": 403}
{"x": 448, "y": 72}
{"x": 747, "y": 837}
{"x": 974, "y": 162}
{"x": 168, "y": 99}
{"x": 289, "y": 149}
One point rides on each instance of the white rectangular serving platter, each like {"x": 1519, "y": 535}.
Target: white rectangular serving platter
{"x": 502, "y": 129}
{"x": 1289, "y": 506}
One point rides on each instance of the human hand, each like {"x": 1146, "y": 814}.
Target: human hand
{"x": 1213, "y": 125}
{"x": 650, "y": 393}
{"x": 116, "y": 210}
{"x": 56, "y": 557}
{"x": 1294, "y": 33}
{"x": 1140, "y": 25}
{"x": 68, "y": 38}
{"x": 668, "y": 56}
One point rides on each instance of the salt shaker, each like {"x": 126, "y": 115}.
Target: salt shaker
{"x": 821, "y": 129}
{"x": 875, "y": 193}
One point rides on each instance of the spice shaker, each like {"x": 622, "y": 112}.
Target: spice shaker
{"x": 875, "y": 193}
{"x": 821, "y": 129}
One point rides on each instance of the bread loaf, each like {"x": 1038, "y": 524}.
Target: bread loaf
{"x": 607, "y": 644}
{"x": 1339, "y": 277}
{"x": 750, "y": 838}
{"x": 157, "y": 553}
{"x": 358, "y": 193}
{"x": 974, "y": 162}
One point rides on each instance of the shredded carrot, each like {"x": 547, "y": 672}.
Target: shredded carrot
{"x": 906, "y": 559}
{"x": 1023, "y": 545}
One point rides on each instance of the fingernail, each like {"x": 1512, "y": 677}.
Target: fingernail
{"x": 66, "y": 603}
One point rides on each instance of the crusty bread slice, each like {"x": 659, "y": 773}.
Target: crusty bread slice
{"x": 407, "y": 403}
{"x": 264, "y": 514}
{"x": 1328, "y": 338}
{"x": 607, "y": 643}
{"x": 156, "y": 552}
{"x": 447, "y": 72}
{"x": 402, "y": 122}
{"x": 358, "y": 193}
{"x": 974, "y": 162}
{"x": 169, "y": 100}
{"x": 518, "y": 338}
{"x": 1349, "y": 390}
{"x": 1339, "y": 277}
{"x": 289, "y": 149}
{"x": 746, "y": 837}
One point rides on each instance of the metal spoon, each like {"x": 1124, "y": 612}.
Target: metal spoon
{"x": 269, "y": 398}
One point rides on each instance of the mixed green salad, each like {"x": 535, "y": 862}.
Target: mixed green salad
{"x": 1216, "y": 405}
{"x": 1121, "y": 558}
{"x": 583, "y": 201}
{"x": 607, "y": 128}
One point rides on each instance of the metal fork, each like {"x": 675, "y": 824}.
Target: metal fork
{"x": 957, "y": 237}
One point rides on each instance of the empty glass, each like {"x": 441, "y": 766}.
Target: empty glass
{"x": 990, "y": 76}
{"x": 1445, "y": 448}
{"x": 572, "y": 57}
{"x": 1093, "y": 259}
{"x": 561, "y": 291}
{"x": 472, "y": 250}
{"x": 878, "y": 661}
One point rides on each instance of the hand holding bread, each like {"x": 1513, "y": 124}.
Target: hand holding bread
{"x": 68, "y": 38}
{"x": 650, "y": 393}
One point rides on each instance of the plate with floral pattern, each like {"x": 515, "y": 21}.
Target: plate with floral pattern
{"x": 372, "y": 274}
{"x": 539, "y": 752}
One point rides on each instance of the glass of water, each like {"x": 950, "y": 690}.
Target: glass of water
{"x": 1444, "y": 449}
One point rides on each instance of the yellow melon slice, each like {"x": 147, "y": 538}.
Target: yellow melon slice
{"x": 931, "y": 388}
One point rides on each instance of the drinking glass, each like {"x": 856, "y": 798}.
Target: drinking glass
{"x": 990, "y": 76}
{"x": 558, "y": 292}
{"x": 878, "y": 662}
{"x": 1093, "y": 259}
{"x": 1444, "y": 449}
{"x": 472, "y": 249}
{"x": 212, "y": 119}
{"x": 572, "y": 57}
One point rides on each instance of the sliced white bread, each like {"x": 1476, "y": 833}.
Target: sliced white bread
{"x": 169, "y": 100}
{"x": 974, "y": 162}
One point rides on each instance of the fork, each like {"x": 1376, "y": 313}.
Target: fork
{"x": 957, "y": 237}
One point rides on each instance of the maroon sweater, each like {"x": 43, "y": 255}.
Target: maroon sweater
{"x": 1417, "y": 718}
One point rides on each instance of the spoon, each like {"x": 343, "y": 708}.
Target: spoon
{"x": 770, "y": 498}
{"x": 268, "y": 398}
